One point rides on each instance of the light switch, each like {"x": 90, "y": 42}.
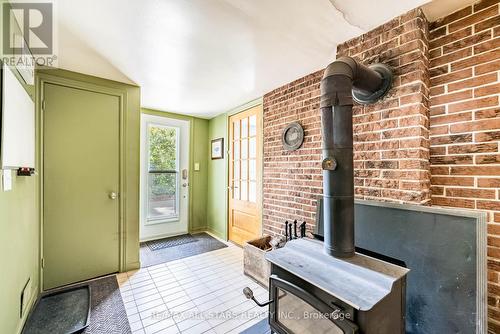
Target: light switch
{"x": 6, "y": 180}
{"x": 197, "y": 166}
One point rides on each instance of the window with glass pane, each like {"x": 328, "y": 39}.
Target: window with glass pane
{"x": 236, "y": 154}
{"x": 244, "y": 190}
{"x": 253, "y": 147}
{"x": 253, "y": 125}
{"x": 163, "y": 201}
{"x": 236, "y": 127}
{"x": 236, "y": 177}
{"x": 244, "y": 159}
{"x": 244, "y": 149}
{"x": 244, "y": 169}
{"x": 244, "y": 127}
{"x": 252, "y": 174}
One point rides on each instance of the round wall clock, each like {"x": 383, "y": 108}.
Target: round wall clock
{"x": 293, "y": 136}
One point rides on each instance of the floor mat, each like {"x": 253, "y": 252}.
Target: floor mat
{"x": 107, "y": 313}
{"x": 203, "y": 243}
{"x": 170, "y": 242}
{"x": 65, "y": 311}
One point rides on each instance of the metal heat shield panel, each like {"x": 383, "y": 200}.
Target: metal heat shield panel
{"x": 445, "y": 250}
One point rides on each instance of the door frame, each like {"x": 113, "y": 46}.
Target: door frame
{"x": 146, "y": 118}
{"x": 259, "y": 102}
{"x": 41, "y": 80}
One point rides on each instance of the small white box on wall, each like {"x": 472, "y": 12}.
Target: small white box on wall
{"x": 6, "y": 180}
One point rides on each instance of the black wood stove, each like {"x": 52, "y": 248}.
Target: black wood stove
{"x": 312, "y": 292}
{"x": 326, "y": 287}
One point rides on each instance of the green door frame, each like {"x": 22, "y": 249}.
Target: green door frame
{"x": 41, "y": 80}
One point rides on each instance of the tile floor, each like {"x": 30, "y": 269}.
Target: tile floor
{"x": 199, "y": 294}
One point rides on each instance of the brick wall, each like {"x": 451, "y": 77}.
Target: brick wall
{"x": 391, "y": 137}
{"x": 292, "y": 181}
{"x": 437, "y": 131}
{"x": 391, "y": 141}
{"x": 465, "y": 122}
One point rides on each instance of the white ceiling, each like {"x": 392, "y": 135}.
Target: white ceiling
{"x": 205, "y": 57}
{"x": 439, "y": 8}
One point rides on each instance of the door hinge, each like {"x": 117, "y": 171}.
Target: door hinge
{"x": 43, "y": 105}
{"x": 43, "y": 263}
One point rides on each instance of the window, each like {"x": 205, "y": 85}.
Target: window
{"x": 244, "y": 159}
{"x": 163, "y": 173}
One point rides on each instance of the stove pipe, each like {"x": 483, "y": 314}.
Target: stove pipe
{"x": 343, "y": 81}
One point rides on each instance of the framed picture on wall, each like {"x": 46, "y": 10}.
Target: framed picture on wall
{"x": 217, "y": 148}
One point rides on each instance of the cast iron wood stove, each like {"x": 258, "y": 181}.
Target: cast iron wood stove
{"x": 327, "y": 287}
{"x": 312, "y": 292}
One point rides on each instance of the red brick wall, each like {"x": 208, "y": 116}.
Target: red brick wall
{"x": 437, "y": 131}
{"x": 391, "y": 141}
{"x": 292, "y": 181}
{"x": 465, "y": 122}
{"x": 391, "y": 137}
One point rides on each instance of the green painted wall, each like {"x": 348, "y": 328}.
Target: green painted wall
{"x": 217, "y": 180}
{"x": 198, "y": 181}
{"x": 19, "y": 242}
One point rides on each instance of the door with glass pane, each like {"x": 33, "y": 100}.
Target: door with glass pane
{"x": 245, "y": 175}
{"x": 164, "y": 177}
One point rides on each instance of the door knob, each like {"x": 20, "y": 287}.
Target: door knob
{"x": 112, "y": 195}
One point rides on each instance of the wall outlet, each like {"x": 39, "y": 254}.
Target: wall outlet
{"x": 25, "y": 298}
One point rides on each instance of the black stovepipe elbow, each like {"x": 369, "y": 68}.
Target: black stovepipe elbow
{"x": 342, "y": 79}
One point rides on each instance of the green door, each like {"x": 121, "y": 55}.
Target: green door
{"x": 80, "y": 185}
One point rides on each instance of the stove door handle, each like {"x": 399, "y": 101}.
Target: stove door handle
{"x": 249, "y": 294}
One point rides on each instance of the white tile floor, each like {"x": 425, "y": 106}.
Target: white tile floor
{"x": 199, "y": 294}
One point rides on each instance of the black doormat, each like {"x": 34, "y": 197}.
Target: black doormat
{"x": 107, "y": 312}
{"x": 203, "y": 243}
{"x": 155, "y": 245}
{"x": 62, "y": 311}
